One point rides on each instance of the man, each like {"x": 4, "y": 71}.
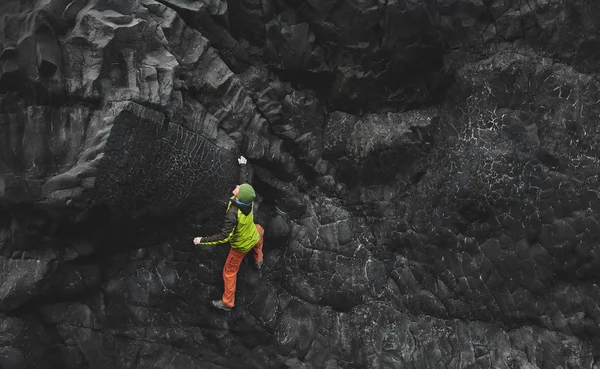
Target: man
{"x": 241, "y": 233}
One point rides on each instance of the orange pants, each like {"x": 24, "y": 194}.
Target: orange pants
{"x": 232, "y": 265}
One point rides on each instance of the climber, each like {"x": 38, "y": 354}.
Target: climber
{"x": 242, "y": 234}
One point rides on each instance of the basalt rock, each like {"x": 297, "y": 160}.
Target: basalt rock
{"x": 427, "y": 175}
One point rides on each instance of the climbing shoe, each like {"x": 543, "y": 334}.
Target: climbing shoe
{"x": 219, "y": 304}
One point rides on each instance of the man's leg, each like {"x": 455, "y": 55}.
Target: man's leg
{"x": 258, "y": 253}
{"x": 232, "y": 265}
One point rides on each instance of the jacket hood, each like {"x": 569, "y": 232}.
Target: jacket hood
{"x": 245, "y": 209}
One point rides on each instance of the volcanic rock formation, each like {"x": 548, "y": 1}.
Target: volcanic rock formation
{"x": 427, "y": 173}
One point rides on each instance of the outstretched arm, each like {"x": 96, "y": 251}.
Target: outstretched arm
{"x": 226, "y": 231}
{"x": 243, "y": 170}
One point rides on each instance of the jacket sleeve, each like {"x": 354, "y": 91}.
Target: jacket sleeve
{"x": 224, "y": 235}
{"x": 243, "y": 174}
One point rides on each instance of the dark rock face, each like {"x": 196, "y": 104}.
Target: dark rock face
{"x": 427, "y": 174}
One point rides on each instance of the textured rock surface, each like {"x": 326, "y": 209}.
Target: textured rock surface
{"x": 427, "y": 174}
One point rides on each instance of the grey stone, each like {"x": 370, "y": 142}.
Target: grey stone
{"x": 427, "y": 175}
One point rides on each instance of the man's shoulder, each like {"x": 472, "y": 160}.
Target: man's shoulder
{"x": 232, "y": 207}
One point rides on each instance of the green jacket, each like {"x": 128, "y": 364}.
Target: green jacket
{"x": 238, "y": 228}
